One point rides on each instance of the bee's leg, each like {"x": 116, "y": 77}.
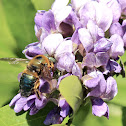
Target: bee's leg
{"x": 36, "y": 90}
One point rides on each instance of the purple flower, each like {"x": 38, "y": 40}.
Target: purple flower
{"x": 96, "y": 83}
{"x": 77, "y": 4}
{"x": 44, "y": 24}
{"x": 61, "y": 10}
{"x": 100, "y": 89}
{"x": 35, "y": 104}
{"x": 99, "y": 107}
{"x": 32, "y": 50}
{"x": 117, "y": 48}
{"x": 116, "y": 28}
{"x": 65, "y": 108}
{"x": 85, "y": 38}
{"x": 95, "y": 60}
{"x": 123, "y": 6}
{"x": 19, "y": 103}
{"x": 114, "y": 6}
{"x": 111, "y": 89}
{"x": 32, "y": 103}
{"x": 98, "y": 55}
{"x": 112, "y": 67}
{"x": 124, "y": 31}
{"x": 90, "y": 35}
{"x": 57, "y": 115}
{"x": 97, "y": 12}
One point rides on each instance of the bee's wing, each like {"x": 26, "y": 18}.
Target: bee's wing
{"x": 15, "y": 60}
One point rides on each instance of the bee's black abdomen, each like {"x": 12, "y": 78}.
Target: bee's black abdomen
{"x": 26, "y": 84}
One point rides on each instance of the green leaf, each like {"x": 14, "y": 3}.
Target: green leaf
{"x": 71, "y": 89}
{"x": 7, "y": 42}
{"x": 9, "y": 84}
{"x": 81, "y": 115}
{"x": 9, "y": 118}
{"x": 42, "y": 4}
{"x": 20, "y": 19}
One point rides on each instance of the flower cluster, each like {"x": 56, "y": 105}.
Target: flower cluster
{"x": 86, "y": 39}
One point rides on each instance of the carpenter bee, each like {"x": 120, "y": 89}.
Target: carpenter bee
{"x": 39, "y": 66}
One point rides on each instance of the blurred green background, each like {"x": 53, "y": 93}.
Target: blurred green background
{"x": 17, "y": 31}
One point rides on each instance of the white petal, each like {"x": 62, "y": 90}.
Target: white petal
{"x": 117, "y": 48}
{"x": 63, "y": 13}
{"x": 59, "y": 4}
{"x": 64, "y": 47}
{"x": 86, "y": 39}
{"x": 104, "y": 16}
{"x": 51, "y": 42}
{"x": 77, "y": 4}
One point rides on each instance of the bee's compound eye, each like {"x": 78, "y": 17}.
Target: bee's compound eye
{"x": 39, "y": 57}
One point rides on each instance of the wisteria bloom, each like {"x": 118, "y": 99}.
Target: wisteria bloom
{"x": 85, "y": 38}
{"x": 101, "y": 89}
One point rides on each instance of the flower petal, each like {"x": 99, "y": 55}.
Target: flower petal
{"x": 66, "y": 62}
{"x": 101, "y": 59}
{"x": 76, "y": 70}
{"x": 32, "y": 50}
{"x": 86, "y": 39}
{"x": 58, "y": 4}
{"x": 99, "y": 107}
{"x": 97, "y": 12}
{"x": 77, "y": 4}
{"x": 111, "y": 89}
{"x": 115, "y": 7}
{"x": 117, "y": 48}
{"x": 48, "y": 22}
{"x": 33, "y": 110}
{"x": 102, "y": 45}
{"x": 89, "y": 60}
{"x": 15, "y": 99}
{"x": 112, "y": 66}
{"x": 19, "y": 105}
{"x": 38, "y": 19}
{"x": 100, "y": 87}
{"x": 51, "y": 42}
{"x": 40, "y": 103}
{"x": 64, "y": 108}
{"x": 64, "y": 47}
{"x": 44, "y": 86}
{"x": 116, "y": 28}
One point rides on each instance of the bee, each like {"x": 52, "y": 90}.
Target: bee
{"x": 39, "y": 66}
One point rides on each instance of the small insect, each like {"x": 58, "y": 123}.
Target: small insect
{"x": 39, "y": 66}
